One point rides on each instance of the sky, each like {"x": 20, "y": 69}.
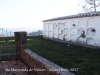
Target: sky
{"x": 30, "y": 13}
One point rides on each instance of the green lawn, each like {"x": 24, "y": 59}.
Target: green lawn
{"x": 86, "y": 59}
{"x": 7, "y": 47}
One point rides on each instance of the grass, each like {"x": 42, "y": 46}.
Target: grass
{"x": 7, "y": 47}
{"x": 86, "y": 59}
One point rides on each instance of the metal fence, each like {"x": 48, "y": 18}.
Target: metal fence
{"x": 5, "y": 33}
{"x": 7, "y": 47}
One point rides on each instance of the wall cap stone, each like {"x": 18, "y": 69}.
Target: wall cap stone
{"x": 48, "y": 63}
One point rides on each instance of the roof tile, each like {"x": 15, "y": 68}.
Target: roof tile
{"x": 75, "y": 16}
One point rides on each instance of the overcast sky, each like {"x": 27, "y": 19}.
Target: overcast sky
{"x": 31, "y": 13}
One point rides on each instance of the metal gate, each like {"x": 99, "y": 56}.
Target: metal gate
{"x": 7, "y": 48}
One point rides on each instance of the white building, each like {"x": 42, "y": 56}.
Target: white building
{"x": 82, "y": 28}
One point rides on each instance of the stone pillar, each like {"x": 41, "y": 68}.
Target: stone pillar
{"x": 20, "y": 42}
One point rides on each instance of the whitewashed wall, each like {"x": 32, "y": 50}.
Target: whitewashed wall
{"x": 71, "y": 29}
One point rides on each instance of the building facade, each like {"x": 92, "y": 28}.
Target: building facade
{"x": 82, "y": 28}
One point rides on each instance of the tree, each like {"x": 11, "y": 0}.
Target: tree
{"x": 89, "y": 5}
{"x": 39, "y": 32}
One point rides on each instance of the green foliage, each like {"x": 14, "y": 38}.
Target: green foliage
{"x": 86, "y": 59}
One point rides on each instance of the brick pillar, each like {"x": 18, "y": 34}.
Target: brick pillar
{"x": 20, "y": 42}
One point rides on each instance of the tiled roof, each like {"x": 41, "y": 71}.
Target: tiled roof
{"x": 75, "y": 16}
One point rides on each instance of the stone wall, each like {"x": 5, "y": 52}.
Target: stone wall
{"x": 41, "y": 65}
{"x": 36, "y": 63}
